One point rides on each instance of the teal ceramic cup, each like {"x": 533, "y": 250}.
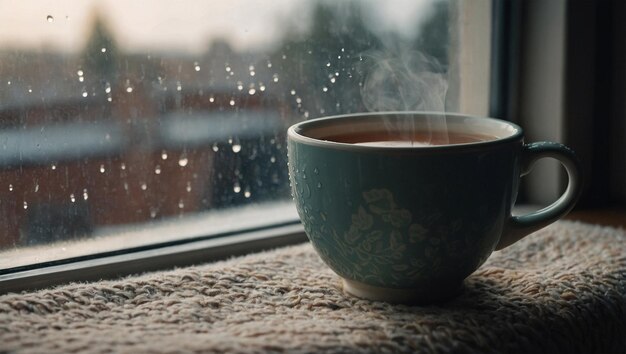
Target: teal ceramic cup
{"x": 408, "y": 223}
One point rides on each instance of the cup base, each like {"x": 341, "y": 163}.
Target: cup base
{"x": 400, "y": 296}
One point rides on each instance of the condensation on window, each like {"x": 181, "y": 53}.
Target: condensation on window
{"x": 129, "y": 113}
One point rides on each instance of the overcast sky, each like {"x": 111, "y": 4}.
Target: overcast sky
{"x": 178, "y": 25}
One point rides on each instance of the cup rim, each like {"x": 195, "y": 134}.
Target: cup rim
{"x": 293, "y": 133}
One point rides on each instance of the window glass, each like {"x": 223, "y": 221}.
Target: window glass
{"x": 125, "y": 115}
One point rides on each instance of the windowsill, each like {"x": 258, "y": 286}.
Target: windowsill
{"x": 150, "y": 235}
{"x": 174, "y": 243}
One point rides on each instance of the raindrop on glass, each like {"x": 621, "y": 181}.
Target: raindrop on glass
{"x": 269, "y": 64}
{"x": 53, "y": 166}
{"x": 293, "y": 92}
{"x": 144, "y": 186}
{"x": 153, "y": 213}
{"x": 103, "y": 50}
{"x": 236, "y": 187}
{"x": 247, "y": 193}
{"x": 85, "y": 94}
{"x": 251, "y": 91}
{"x": 72, "y": 198}
{"x": 80, "y": 72}
{"x": 181, "y": 204}
{"x": 37, "y": 188}
{"x": 232, "y": 102}
{"x": 227, "y": 68}
{"x": 123, "y": 166}
{"x": 328, "y": 65}
{"x": 319, "y": 185}
{"x": 188, "y": 188}
{"x": 81, "y": 79}
{"x": 196, "y": 66}
{"x": 236, "y": 148}
{"x": 129, "y": 89}
{"x": 272, "y": 159}
{"x": 262, "y": 87}
{"x": 49, "y": 18}
{"x": 25, "y": 205}
{"x": 163, "y": 155}
{"x": 211, "y": 99}
{"x": 157, "y": 170}
{"x": 30, "y": 90}
{"x": 85, "y": 195}
{"x": 215, "y": 147}
{"x": 275, "y": 77}
{"x": 102, "y": 169}
{"x": 325, "y": 89}
{"x": 179, "y": 86}
{"x": 332, "y": 80}
{"x": 182, "y": 162}
{"x": 10, "y": 188}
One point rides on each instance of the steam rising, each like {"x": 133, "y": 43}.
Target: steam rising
{"x": 406, "y": 81}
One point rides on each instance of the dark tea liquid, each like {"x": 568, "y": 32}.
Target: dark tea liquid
{"x": 380, "y": 138}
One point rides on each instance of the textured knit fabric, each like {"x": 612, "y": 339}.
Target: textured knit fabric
{"x": 562, "y": 289}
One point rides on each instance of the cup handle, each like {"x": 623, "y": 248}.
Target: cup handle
{"x": 517, "y": 227}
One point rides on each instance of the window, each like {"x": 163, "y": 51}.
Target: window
{"x": 125, "y": 126}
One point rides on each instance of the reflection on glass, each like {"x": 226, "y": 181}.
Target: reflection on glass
{"x": 119, "y": 113}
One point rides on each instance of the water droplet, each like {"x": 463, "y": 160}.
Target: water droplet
{"x": 163, "y": 155}
{"x": 319, "y": 185}
{"x": 252, "y": 73}
{"x": 332, "y": 80}
{"x": 123, "y": 166}
{"x": 343, "y": 50}
{"x": 251, "y": 91}
{"x": 316, "y": 171}
{"x": 272, "y": 159}
{"x": 325, "y": 89}
{"x": 80, "y": 72}
{"x": 179, "y": 86}
{"x": 284, "y": 56}
{"x": 49, "y": 18}
{"x": 336, "y": 73}
{"x": 10, "y": 188}
{"x": 236, "y": 187}
{"x": 129, "y": 89}
{"x": 211, "y": 99}
{"x": 236, "y": 148}
{"x": 103, "y": 50}
{"x": 81, "y": 78}
{"x": 247, "y": 193}
{"x": 188, "y": 188}
{"x": 232, "y": 102}
{"x": 293, "y": 92}
{"x": 85, "y": 94}
{"x": 306, "y": 114}
{"x": 107, "y": 89}
{"x": 30, "y": 90}
{"x": 239, "y": 85}
{"x": 228, "y": 68}
{"x": 109, "y": 99}
{"x": 275, "y": 77}
{"x": 25, "y": 205}
{"x": 85, "y": 195}
{"x": 157, "y": 170}
{"x": 9, "y": 82}
{"x": 72, "y": 198}
{"x": 181, "y": 204}
{"x": 182, "y": 162}
{"x": 196, "y": 66}
{"x": 37, "y": 188}
{"x": 126, "y": 186}
{"x": 230, "y": 141}
{"x": 215, "y": 147}
{"x": 102, "y": 170}
{"x": 298, "y": 100}
{"x": 144, "y": 186}
{"x": 53, "y": 166}
{"x": 328, "y": 65}
{"x": 262, "y": 87}
{"x": 153, "y": 213}
{"x": 269, "y": 64}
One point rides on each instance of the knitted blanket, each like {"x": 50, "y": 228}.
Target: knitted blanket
{"x": 562, "y": 289}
